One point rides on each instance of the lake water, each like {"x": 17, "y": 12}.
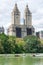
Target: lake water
{"x": 21, "y": 60}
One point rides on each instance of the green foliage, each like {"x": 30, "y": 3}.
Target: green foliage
{"x": 1, "y": 48}
{"x": 11, "y": 44}
{"x": 32, "y": 44}
{"x": 7, "y": 44}
{"x": 41, "y": 40}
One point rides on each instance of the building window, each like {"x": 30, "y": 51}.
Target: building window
{"x": 29, "y": 31}
{"x": 18, "y": 32}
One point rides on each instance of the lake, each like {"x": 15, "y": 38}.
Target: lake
{"x": 20, "y": 60}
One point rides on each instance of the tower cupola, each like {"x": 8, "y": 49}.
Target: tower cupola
{"x": 16, "y": 16}
{"x": 27, "y": 16}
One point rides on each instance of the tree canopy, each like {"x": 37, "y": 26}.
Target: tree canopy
{"x": 12, "y": 45}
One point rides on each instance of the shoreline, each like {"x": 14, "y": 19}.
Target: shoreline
{"x": 31, "y": 54}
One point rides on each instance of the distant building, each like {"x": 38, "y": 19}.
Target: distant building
{"x": 39, "y": 34}
{"x": 18, "y": 30}
{"x": 1, "y": 30}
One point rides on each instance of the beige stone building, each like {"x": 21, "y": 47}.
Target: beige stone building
{"x": 18, "y": 30}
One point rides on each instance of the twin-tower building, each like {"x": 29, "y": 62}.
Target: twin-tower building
{"x": 18, "y": 30}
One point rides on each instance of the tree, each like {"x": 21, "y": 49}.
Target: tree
{"x": 19, "y": 47}
{"x": 32, "y": 44}
{"x": 3, "y": 40}
{"x": 1, "y": 47}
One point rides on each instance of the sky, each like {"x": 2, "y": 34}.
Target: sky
{"x": 35, "y": 6}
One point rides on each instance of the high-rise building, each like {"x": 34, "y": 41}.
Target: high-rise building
{"x": 18, "y": 30}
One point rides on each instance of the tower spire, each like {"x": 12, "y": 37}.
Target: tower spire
{"x": 27, "y": 6}
{"x": 16, "y": 15}
{"x": 16, "y": 10}
{"x": 15, "y": 4}
{"x": 28, "y": 16}
{"x": 27, "y": 10}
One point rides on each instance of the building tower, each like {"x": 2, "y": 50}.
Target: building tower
{"x": 14, "y": 28}
{"x": 28, "y": 16}
{"x": 28, "y": 21}
{"x": 18, "y": 30}
{"x": 15, "y": 16}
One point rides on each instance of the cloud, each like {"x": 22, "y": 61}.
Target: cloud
{"x": 35, "y": 6}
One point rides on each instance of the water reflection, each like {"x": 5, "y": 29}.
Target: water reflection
{"x": 27, "y": 60}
